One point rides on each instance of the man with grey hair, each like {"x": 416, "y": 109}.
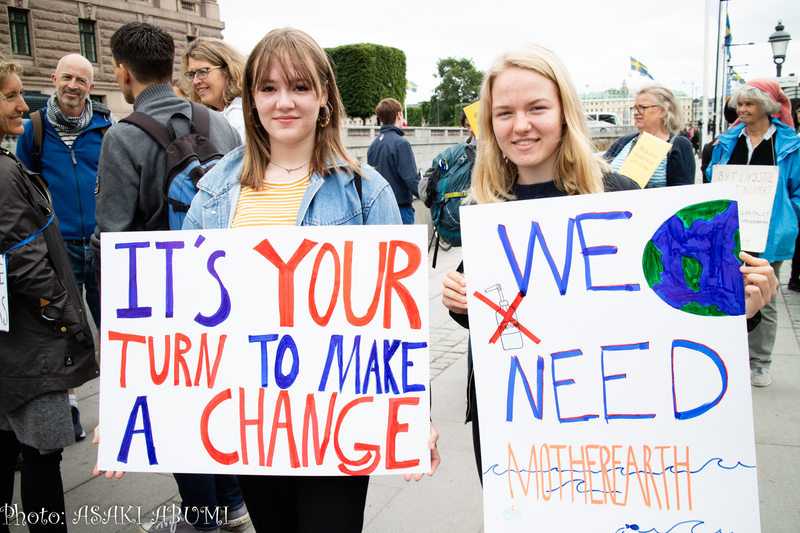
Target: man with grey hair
{"x": 62, "y": 143}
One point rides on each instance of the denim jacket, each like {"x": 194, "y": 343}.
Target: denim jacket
{"x": 330, "y": 200}
{"x": 783, "y": 224}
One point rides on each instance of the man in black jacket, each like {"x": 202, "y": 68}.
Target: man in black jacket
{"x": 392, "y": 157}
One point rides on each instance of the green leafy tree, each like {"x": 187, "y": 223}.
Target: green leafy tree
{"x": 366, "y": 74}
{"x": 460, "y": 84}
{"x": 426, "y": 112}
{"x": 414, "y": 117}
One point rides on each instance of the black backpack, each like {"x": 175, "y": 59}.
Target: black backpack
{"x": 188, "y": 157}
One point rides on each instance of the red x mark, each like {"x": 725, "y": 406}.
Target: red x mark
{"x": 508, "y": 317}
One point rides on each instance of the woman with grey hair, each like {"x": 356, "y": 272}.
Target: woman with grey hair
{"x": 657, "y": 112}
{"x": 763, "y": 135}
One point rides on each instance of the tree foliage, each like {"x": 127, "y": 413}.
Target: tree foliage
{"x": 366, "y": 74}
{"x": 414, "y": 117}
{"x": 426, "y": 112}
{"x": 460, "y": 84}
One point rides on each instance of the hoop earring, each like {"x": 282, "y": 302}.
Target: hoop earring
{"x": 254, "y": 122}
{"x": 324, "y": 121}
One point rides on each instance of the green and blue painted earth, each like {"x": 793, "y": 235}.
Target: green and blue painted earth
{"x": 692, "y": 261}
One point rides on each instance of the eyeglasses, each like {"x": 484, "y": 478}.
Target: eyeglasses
{"x": 201, "y": 73}
{"x": 635, "y": 109}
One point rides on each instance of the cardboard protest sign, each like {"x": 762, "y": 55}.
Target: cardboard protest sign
{"x": 269, "y": 350}
{"x": 472, "y": 116}
{"x": 612, "y": 374}
{"x": 755, "y": 190}
{"x": 644, "y": 158}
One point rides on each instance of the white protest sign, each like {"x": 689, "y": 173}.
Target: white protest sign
{"x": 271, "y": 350}
{"x": 755, "y": 190}
{"x": 3, "y": 294}
{"x": 622, "y": 402}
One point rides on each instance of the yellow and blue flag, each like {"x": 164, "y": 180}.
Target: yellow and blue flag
{"x": 728, "y": 35}
{"x": 735, "y": 77}
{"x": 640, "y": 68}
{"x": 411, "y": 86}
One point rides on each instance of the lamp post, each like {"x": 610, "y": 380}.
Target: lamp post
{"x": 779, "y": 41}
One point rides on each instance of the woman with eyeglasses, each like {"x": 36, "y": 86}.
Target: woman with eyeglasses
{"x": 294, "y": 170}
{"x": 214, "y": 71}
{"x": 763, "y": 135}
{"x": 657, "y": 112}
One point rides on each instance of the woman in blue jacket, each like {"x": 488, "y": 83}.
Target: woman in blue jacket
{"x": 763, "y": 136}
{"x": 294, "y": 170}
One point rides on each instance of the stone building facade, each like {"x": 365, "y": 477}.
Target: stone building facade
{"x": 619, "y": 102}
{"x": 37, "y": 33}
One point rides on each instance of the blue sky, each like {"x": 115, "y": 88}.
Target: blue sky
{"x": 595, "y": 39}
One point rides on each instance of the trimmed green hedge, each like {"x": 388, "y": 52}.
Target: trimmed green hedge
{"x": 414, "y": 117}
{"x": 366, "y": 74}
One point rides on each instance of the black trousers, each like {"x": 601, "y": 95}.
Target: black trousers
{"x": 796, "y": 261}
{"x": 472, "y": 413}
{"x": 305, "y": 504}
{"x": 41, "y": 490}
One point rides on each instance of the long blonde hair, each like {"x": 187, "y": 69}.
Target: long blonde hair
{"x": 578, "y": 170}
{"x": 296, "y": 50}
{"x": 220, "y": 54}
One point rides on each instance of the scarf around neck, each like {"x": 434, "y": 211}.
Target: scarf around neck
{"x": 65, "y": 124}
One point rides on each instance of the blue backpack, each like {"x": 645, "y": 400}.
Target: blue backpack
{"x": 188, "y": 157}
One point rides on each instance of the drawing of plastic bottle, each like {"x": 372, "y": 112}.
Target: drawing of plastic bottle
{"x": 511, "y": 337}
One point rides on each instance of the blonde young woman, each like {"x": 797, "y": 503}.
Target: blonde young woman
{"x": 535, "y": 144}
{"x": 214, "y": 71}
{"x": 294, "y": 170}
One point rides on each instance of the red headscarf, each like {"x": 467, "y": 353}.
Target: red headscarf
{"x": 775, "y": 92}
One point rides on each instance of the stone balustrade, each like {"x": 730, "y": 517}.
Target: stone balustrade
{"x": 427, "y": 143}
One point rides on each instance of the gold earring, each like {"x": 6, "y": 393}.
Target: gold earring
{"x": 324, "y": 121}
{"x": 254, "y": 122}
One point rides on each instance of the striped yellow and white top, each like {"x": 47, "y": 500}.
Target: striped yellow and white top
{"x": 275, "y": 204}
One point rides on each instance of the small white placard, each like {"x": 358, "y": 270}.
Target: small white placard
{"x": 755, "y": 191}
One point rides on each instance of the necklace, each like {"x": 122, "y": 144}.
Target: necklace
{"x": 289, "y": 170}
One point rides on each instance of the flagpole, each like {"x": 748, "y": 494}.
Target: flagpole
{"x": 719, "y": 89}
{"x": 704, "y": 125}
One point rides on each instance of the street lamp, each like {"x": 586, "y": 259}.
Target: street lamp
{"x": 438, "y": 96}
{"x": 779, "y": 41}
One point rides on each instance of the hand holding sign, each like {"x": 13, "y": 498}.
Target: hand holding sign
{"x": 454, "y": 292}
{"x": 760, "y": 283}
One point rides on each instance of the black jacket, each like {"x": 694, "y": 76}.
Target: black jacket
{"x": 391, "y": 155}
{"x": 49, "y": 344}
{"x": 681, "y": 165}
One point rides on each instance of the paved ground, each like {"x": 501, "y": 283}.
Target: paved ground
{"x": 451, "y": 501}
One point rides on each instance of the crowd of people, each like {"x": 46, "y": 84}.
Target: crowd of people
{"x": 276, "y": 116}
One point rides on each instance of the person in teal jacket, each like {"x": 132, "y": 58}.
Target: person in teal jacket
{"x": 763, "y": 135}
